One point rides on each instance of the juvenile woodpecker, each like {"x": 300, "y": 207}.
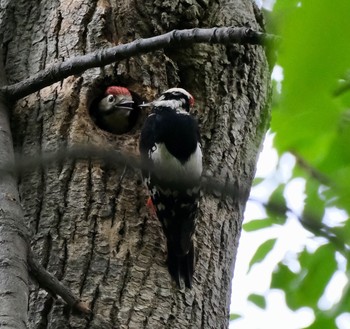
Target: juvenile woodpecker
{"x": 170, "y": 149}
{"x": 113, "y": 112}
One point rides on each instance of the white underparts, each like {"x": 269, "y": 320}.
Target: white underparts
{"x": 171, "y": 169}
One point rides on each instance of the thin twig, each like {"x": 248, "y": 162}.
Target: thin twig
{"x": 113, "y": 158}
{"x": 323, "y": 179}
{"x": 51, "y": 284}
{"x": 310, "y": 223}
{"x": 219, "y": 188}
{"x": 79, "y": 64}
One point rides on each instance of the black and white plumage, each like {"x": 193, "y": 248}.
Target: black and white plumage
{"x": 170, "y": 147}
{"x": 114, "y": 110}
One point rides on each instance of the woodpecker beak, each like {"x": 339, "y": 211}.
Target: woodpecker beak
{"x": 126, "y": 105}
{"x": 145, "y": 104}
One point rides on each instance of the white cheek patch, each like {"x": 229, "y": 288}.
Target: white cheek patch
{"x": 154, "y": 191}
{"x": 147, "y": 180}
{"x": 179, "y": 90}
{"x": 174, "y": 104}
{"x": 160, "y": 207}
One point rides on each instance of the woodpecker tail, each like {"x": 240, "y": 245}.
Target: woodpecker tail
{"x": 181, "y": 266}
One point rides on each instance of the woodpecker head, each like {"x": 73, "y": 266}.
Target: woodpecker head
{"x": 175, "y": 98}
{"x": 116, "y": 99}
{"x": 114, "y": 109}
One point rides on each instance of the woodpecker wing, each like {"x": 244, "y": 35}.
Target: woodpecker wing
{"x": 169, "y": 147}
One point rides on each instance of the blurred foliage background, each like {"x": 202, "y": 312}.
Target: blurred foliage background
{"x": 311, "y": 125}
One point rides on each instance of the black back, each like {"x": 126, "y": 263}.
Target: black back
{"x": 175, "y": 208}
{"x": 179, "y": 133}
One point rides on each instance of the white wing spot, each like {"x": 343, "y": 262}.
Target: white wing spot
{"x": 160, "y": 207}
{"x": 154, "y": 191}
{"x": 181, "y": 111}
{"x": 147, "y": 180}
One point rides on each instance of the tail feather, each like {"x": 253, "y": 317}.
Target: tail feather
{"x": 181, "y": 267}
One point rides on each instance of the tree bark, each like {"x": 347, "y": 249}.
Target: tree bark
{"x": 89, "y": 223}
{"x": 13, "y": 233}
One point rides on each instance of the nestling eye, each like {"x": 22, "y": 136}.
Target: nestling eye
{"x": 110, "y": 99}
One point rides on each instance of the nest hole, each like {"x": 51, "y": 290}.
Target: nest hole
{"x": 105, "y": 121}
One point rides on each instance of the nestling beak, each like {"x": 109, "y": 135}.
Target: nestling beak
{"x": 126, "y": 105}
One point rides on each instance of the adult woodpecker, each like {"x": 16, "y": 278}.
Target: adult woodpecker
{"x": 114, "y": 110}
{"x": 170, "y": 149}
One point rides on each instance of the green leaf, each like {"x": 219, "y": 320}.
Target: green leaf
{"x": 257, "y": 224}
{"x": 321, "y": 266}
{"x": 310, "y": 119}
{"x": 308, "y": 113}
{"x": 314, "y": 124}
{"x": 343, "y": 232}
{"x": 261, "y": 252}
{"x": 276, "y": 206}
{"x": 283, "y": 278}
{"x": 323, "y": 321}
{"x": 258, "y": 300}
{"x": 306, "y": 287}
{"x": 344, "y": 303}
{"x": 234, "y": 316}
{"x": 258, "y": 180}
{"x": 314, "y": 206}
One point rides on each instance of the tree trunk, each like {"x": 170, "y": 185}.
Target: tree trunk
{"x": 89, "y": 223}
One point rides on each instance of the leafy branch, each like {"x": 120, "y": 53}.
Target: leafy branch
{"x": 310, "y": 223}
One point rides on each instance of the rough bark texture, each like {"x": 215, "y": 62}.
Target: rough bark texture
{"x": 89, "y": 223}
{"x": 13, "y": 233}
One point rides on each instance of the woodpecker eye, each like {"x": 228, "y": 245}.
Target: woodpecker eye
{"x": 110, "y": 99}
